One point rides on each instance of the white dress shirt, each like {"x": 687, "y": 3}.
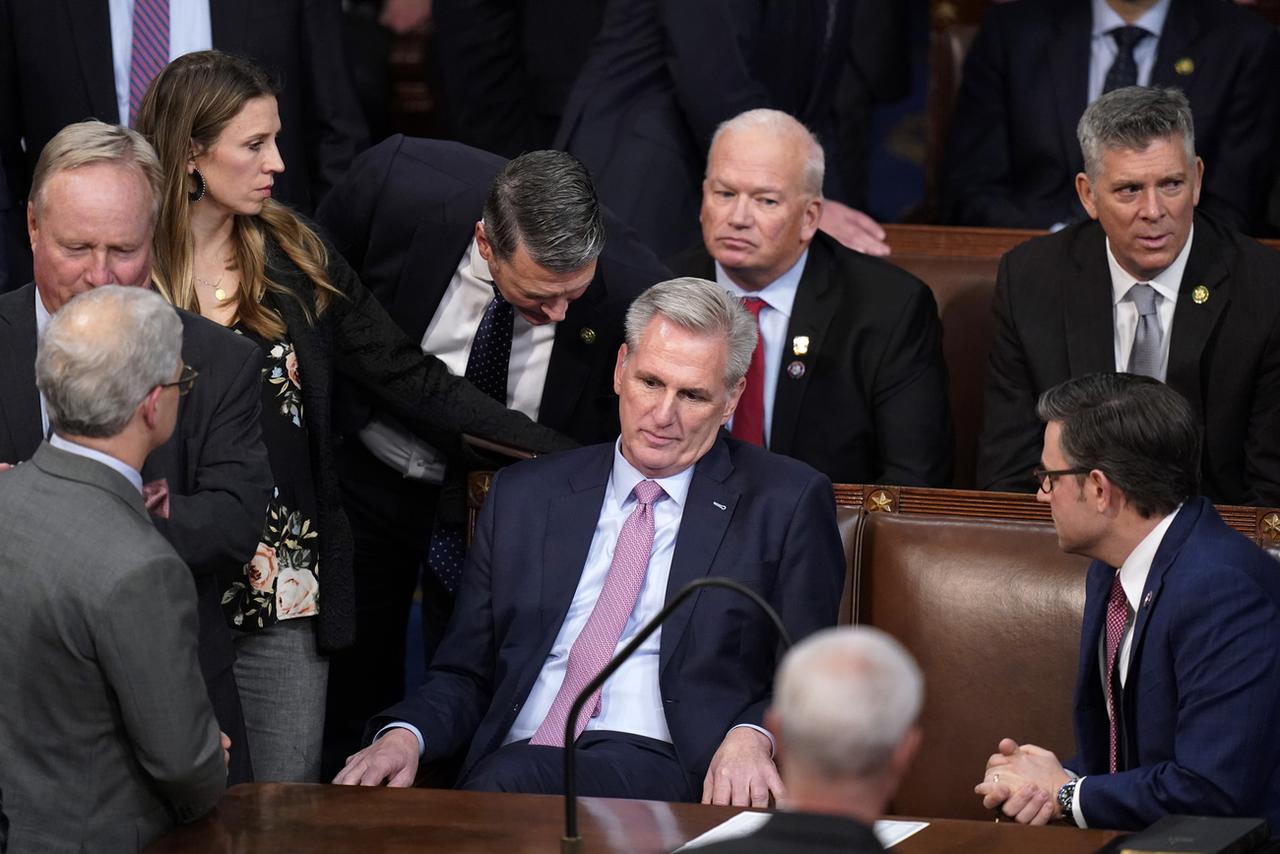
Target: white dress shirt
{"x": 42, "y": 318}
{"x": 448, "y": 338}
{"x": 124, "y": 469}
{"x": 1103, "y": 50}
{"x": 775, "y": 316}
{"x": 1125, "y": 311}
{"x": 1133, "y": 578}
{"x": 190, "y": 29}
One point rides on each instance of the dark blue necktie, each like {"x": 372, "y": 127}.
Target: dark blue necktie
{"x": 1124, "y": 71}
{"x": 487, "y": 370}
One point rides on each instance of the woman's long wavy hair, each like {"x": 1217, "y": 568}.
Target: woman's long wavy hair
{"x": 188, "y": 105}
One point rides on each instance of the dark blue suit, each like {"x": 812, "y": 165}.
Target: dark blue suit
{"x": 1201, "y": 703}
{"x": 753, "y": 516}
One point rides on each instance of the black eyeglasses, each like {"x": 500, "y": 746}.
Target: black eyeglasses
{"x": 185, "y": 380}
{"x": 1044, "y": 477}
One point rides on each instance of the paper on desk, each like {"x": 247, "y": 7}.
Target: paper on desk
{"x": 890, "y": 833}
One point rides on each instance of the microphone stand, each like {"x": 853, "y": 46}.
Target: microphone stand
{"x": 571, "y": 843}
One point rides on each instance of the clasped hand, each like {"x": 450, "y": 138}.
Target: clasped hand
{"x": 1022, "y": 781}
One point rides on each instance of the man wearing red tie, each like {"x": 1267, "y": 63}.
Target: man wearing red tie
{"x": 849, "y": 376}
{"x": 1177, "y": 698}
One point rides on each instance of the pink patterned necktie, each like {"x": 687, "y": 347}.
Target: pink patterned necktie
{"x": 599, "y": 637}
{"x": 1117, "y": 619}
{"x": 150, "y": 49}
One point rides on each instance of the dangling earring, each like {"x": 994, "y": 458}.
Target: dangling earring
{"x": 198, "y": 193}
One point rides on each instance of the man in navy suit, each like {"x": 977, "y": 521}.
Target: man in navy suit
{"x": 683, "y": 717}
{"x": 1180, "y": 645}
{"x": 1035, "y": 65}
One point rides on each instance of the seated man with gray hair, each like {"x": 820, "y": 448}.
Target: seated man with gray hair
{"x": 107, "y": 734}
{"x": 845, "y": 706}
{"x": 575, "y": 552}
{"x": 1147, "y": 285}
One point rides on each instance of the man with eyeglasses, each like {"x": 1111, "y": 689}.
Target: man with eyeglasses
{"x": 90, "y": 220}
{"x": 1177, "y": 699}
{"x": 106, "y": 731}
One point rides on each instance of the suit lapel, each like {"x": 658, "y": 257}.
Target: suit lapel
{"x": 811, "y": 313}
{"x": 19, "y": 399}
{"x": 1087, "y": 303}
{"x": 1181, "y": 29}
{"x": 1193, "y": 323}
{"x": 90, "y": 29}
{"x": 707, "y": 512}
{"x": 1091, "y": 704}
{"x": 568, "y": 540}
{"x": 1068, "y": 67}
{"x": 570, "y": 368}
{"x": 229, "y": 21}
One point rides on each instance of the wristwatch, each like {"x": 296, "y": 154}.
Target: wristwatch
{"x": 1067, "y": 798}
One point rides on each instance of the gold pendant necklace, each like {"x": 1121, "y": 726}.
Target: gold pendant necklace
{"x": 218, "y": 293}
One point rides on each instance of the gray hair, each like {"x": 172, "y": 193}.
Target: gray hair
{"x": 1132, "y": 118}
{"x": 1136, "y": 430}
{"x": 697, "y": 306}
{"x": 100, "y": 355}
{"x": 545, "y": 201}
{"x": 845, "y": 698}
{"x": 781, "y": 125}
{"x": 88, "y": 142}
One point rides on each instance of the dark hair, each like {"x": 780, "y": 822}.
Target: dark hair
{"x": 545, "y": 201}
{"x": 1136, "y": 430}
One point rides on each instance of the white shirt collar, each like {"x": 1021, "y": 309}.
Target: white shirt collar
{"x": 624, "y": 477}
{"x": 1137, "y": 566}
{"x": 42, "y": 314}
{"x": 780, "y": 294}
{"x": 1166, "y": 282}
{"x": 1105, "y": 19}
{"x": 129, "y": 472}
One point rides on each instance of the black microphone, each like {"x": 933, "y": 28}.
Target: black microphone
{"x": 571, "y": 843}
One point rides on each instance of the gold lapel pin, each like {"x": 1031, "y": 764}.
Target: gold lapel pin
{"x": 1184, "y": 66}
{"x": 1200, "y": 295}
{"x": 800, "y": 345}
{"x": 587, "y": 334}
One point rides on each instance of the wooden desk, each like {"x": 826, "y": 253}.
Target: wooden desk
{"x": 278, "y": 817}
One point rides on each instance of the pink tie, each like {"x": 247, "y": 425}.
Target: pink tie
{"x": 150, "y": 50}
{"x": 1117, "y": 619}
{"x": 595, "y": 645}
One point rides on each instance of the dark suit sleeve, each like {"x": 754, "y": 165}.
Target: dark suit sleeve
{"x": 369, "y": 348}
{"x": 151, "y": 666}
{"x": 1010, "y": 441}
{"x": 978, "y": 163}
{"x": 220, "y": 521}
{"x": 913, "y": 417}
{"x": 1226, "y": 653}
{"x": 335, "y": 123}
{"x": 810, "y": 578}
{"x": 1262, "y": 443}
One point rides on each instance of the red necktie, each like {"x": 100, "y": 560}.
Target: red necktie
{"x": 155, "y": 497}
{"x": 595, "y": 644}
{"x": 748, "y": 418}
{"x": 150, "y": 50}
{"x": 1117, "y": 619}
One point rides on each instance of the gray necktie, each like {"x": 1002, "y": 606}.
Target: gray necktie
{"x": 1147, "y": 338}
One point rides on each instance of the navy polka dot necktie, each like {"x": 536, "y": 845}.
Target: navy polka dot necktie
{"x": 491, "y": 349}
{"x": 1124, "y": 71}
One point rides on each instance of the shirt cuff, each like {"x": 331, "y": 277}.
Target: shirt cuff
{"x": 1076, "y": 810}
{"x": 773, "y": 745}
{"x": 422, "y": 745}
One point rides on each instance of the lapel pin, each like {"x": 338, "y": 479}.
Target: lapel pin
{"x": 1200, "y": 295}
{"x": 720, "y": 506}
{"x": 1146, "y": 600}
{"x": 1184, "y": 66}
{"x": 800, "y": 345}
{"x": 587, "y": 334}
{"x": 795, "y": 370}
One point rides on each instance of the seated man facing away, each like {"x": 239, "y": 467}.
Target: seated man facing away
{"x": 1149, "y": 286}
{"x": 1177, "y": 700}
{"x": 106, "y": 731}
{"x": 574, "y": 552}
{"x": 844, "y": 712}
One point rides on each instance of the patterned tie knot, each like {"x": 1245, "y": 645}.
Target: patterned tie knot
{"x": 753, "y": 305}
{"x": 1145, "y": 298}
{"x": 647, "y": 492}
{"x": 1127, "y": 38}
{"x": 499, "y": 299}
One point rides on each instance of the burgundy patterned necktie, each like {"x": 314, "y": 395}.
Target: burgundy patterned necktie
{"x": 1117, "y": 619}
{"x": 748, "y": 418}
{"x": 599, "y": 637}
{"x": 150, "y": 50}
